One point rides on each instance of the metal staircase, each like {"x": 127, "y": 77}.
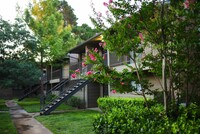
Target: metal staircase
{"x": 65, "y": 94}
{"x": 29, "y": 91}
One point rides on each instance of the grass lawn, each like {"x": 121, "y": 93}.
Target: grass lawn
{"x": 3, "y": 106}
{"x": 77, "y": 122}
{"x": 6, "y": 124}
{"x": 32, "y": 105}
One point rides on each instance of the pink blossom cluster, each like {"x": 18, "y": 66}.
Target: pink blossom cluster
{"x": 99, "y": 14}
{"x": 89, "y": 73}
{"x": 96, "y": 50}
{"x": 114, "y": 91}
{"x": 92, "y": 57}
{"x": 141, "y": 37}
{"x": 77, "y": 71}
{"x": 84, "y": 64}
{"x": 73, "y": 75}
{"x": 187, "y": 3}
{"x": 109, "y": 2}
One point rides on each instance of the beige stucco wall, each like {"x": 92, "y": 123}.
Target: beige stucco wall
{"x": 152, "y": 80}
{"x": 65, "y": 71}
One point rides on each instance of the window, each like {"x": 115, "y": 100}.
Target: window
{"x": 136, "y": 86}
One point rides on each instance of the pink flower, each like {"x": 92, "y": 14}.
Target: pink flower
{"x": 141, "y": 37}
{"x": 113, "y": 91}
{"x": 186, "y": 4}
{"x": 105, "y": 4}
{"x": 92, "y": 57}
{"x": 89, "y": 73}
{"x": 83, "y": 64}
{"x": 77, "y": 70}
{"x": 86, "y": 50}
{"x": 104, "y": 44}
{"x": 100, "y": 44}
{"x": 110, "y": 1}
{"x": 73, "y": 75}
{"x": 96, "y": 50}
{"x": 99, "y": 14}
{"x": 122, "y": 83}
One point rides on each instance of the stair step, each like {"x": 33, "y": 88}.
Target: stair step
{"x": 57, "y": 100}
{"x": 61, "y": 97}
{"x": 49, "y": 106}
{"x": 69, "y": 91}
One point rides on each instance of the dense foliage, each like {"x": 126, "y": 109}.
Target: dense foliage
{"x": 132, "y": 117}
{"x": 68, "y": 13}
{"x": 47, "y": 24}
{"x": 84, "y": 32}
{"x": 158, "y": 36}
{"x": 17, "y": 52}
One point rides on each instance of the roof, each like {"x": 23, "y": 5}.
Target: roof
{"x": 90, "y": 42}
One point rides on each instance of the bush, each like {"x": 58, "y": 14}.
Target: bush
{"x": 74, "y": 102}
{"x": 125, "y": 118}
{"x": 107, "y": 103}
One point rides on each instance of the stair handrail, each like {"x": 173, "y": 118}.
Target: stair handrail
{"x": 71, "y": 86}
{"x": 45, "y": 99}
{"x": 61, "y": 83}
{"x": 48, "y": 93}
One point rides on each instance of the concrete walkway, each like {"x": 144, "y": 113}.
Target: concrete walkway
{"x": 24, "y": 122}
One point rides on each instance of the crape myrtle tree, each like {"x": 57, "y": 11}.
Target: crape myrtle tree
{"x": 18, "y": 68}
{"x": 170, "y": 30}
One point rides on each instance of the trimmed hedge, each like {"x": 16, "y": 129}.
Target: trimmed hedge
{"x": 107, "y": 103}
{"x": 128, "y": 116}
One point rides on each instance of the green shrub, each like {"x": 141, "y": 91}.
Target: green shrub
{"x": 74, "y": 102}
{"x": 107, "y": 103}
{"x": 126, "y": 117}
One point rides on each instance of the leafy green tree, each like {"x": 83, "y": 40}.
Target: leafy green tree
{"x": 68, "y": 13}
{"x": 17, "y": 65}
{"x": 84, "y": 31}
{"x": 54, "y": 39}
{"x": 169, "y": 29}
{"x": 18, "y": 74}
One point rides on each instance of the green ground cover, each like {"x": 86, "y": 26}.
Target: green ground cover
{"x": 6, "y": 124}
{"x": 32, "y": 105}
{"x": 3, "y": 107}
{"x": 74, "y": 122}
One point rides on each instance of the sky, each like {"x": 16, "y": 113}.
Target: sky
{"x": 82, "y": 9}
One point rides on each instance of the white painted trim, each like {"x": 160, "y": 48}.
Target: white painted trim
{"x": 54, "y": 81}
{"x": 86, "y": 96}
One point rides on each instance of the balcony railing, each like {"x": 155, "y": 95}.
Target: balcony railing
{"x": 58, "y": 74}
